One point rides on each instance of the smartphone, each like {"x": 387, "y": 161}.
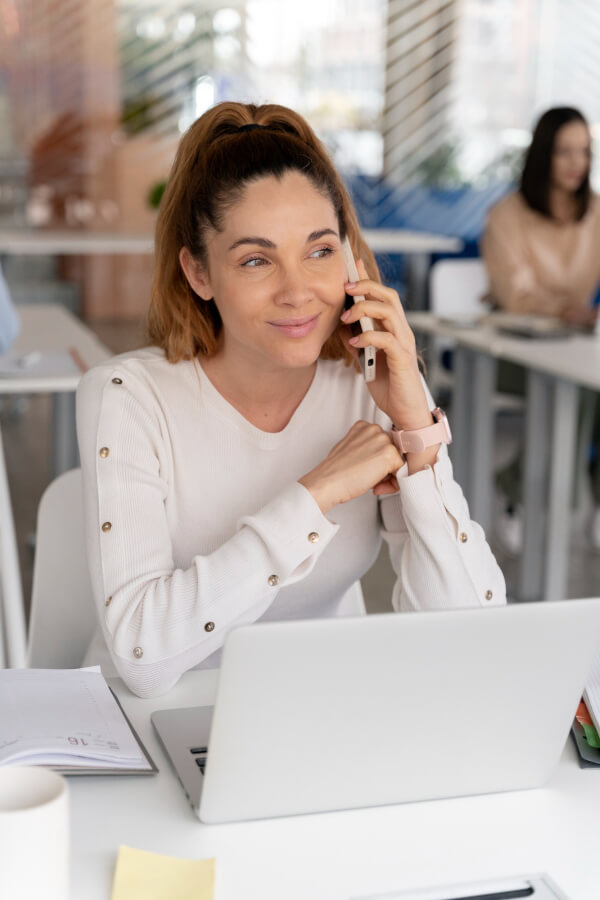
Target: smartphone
{"x": 366, "y": 356}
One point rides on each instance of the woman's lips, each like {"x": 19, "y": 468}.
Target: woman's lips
{"x": 296, "y": 327}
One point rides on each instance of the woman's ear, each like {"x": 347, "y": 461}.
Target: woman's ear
{"x": 196, "y": 274}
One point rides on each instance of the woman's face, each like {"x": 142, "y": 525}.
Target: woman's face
{"x": 276, "y": 273}
{"x": 571, "y": 156}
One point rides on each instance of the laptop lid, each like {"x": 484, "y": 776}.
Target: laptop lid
{"x": 346, "y": 713}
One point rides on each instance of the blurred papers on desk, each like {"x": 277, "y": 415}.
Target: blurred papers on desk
{"x": 68, "y": 720}
{"x": 150, "y": 876}
{"x": 586, "y": 727}
{"x": 41, "y": 364}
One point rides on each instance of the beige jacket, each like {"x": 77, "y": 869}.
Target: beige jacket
{"x": 537, "y": 265}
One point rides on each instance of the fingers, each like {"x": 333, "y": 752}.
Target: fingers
{"x": 368, "y": 288}
{"x": 390, "y": 317}
{"x": 381, "y": 303}
{"x": 365, "y": 459}
{"x": 388, "y": 485}
{"x": 367, "y": 441}
{"x": 388, "y": 341}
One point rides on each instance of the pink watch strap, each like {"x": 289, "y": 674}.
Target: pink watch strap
{"x": 418, "y": 440}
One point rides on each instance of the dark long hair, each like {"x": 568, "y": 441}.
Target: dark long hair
{"x": 537, "y": 170}
{"x": 227, "y": 148}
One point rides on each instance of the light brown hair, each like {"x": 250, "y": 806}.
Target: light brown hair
{"x": 216, "y": 159}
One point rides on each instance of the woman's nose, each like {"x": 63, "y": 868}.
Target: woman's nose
{"x": 292, "y": 289}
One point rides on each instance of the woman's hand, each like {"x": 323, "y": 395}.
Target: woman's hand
{"x": 578, "y": 315}
{"x": 397, "y": 388}
{"x": 364, "y": 459}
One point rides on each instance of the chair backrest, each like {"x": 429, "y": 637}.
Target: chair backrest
{"x": 63, "y": 618}
{"x": 457, "y": 286}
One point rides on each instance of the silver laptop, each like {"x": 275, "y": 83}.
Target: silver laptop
{"x": 345, "y": 713}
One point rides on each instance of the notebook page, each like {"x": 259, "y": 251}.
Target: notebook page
{"x": 62, "y": 717}
{"x": 591, "y": 694}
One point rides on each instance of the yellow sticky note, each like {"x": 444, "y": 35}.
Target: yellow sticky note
{"x": 149, "y": 876}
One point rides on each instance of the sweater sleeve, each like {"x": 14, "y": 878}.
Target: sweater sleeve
{"x": 440, "y": 556}
{"x": 513, "y": 281}
{"x": 159, "y": 620}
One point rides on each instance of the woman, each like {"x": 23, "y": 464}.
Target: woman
{"x": 240, "y": 469}
{"x": 540, "y": 248}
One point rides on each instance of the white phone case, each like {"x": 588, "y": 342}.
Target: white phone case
{"x": 368, "y": 357}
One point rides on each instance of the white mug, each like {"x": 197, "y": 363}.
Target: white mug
{"x": 34, "y": 834}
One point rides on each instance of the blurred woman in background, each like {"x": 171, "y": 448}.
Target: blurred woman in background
{"x": 541, "y": 249}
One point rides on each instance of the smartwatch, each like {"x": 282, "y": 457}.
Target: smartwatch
{"x": 418, "y": 440}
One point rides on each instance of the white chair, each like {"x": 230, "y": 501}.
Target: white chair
{"x": 63, "y": 618}
{"x": 456, "y": 287}
{"x": 456, "y": 291}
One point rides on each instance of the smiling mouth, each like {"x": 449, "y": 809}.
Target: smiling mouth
{"x": 296, "y": 327}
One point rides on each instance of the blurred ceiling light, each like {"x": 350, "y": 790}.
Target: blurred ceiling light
{"x": 226, "y": 20}
{"x": 185, "y": 26}
{"x": 204, "y": 95}
{"x": 151, "y": 29}
{"x": 516, "y": 137}
{"x": 227, "y": 47}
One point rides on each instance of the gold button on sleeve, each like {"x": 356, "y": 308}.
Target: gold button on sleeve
{"x": 210, "y": 626}
{"x": 104, "y": 451}
{"x": 106, "y": 526}
{"x": 138, "y": 652}
{"x": 313, "y": 537}
{"x": 463, "y": 537}
{"x": 117, "y": 381}
{"x": 108, "y": 601}
{"x": 488, "y": 595}
{"x": 273, "y": 580}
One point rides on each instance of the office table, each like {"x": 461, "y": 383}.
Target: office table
{"x": 30, "y": 242}
{"x": 556, "y": 369}
{"x": 334, "y": 856}
{"x": 43, "y": 328}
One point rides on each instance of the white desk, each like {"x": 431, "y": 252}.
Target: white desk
{"x": 556, "y": 369}
{"x": 21, "y": 242}
{"x": 45, "y": 328}
{"x": 29, "y": 242}
{"x": 49, "y": 328}
{"x": 335, "y": 856}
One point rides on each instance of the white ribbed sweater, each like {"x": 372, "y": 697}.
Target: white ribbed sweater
{"x": 195, "y": 520}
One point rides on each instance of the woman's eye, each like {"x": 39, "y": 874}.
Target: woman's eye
{"x": 322, "y": 252}
{"x": 254, "y": 262}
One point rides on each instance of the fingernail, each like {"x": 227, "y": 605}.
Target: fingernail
{"x": 350, "y": 284}
{"x": 345, "y": 314}
{"x": 353, "y": 340}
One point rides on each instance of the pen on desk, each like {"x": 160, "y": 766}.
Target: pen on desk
{"x": 29, "y": 359}
{"x": 78, "y": 359}
{"x": 499, "y": 895}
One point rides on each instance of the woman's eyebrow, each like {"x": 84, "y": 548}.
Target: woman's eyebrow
{"x": 316, "y": 235}
{"x": 269, "y": 245}
{"x": 262, "y": 242}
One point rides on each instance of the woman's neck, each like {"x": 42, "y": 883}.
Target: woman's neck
{"x": 563, "y": 205}
{"x": 267, "y": 399}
